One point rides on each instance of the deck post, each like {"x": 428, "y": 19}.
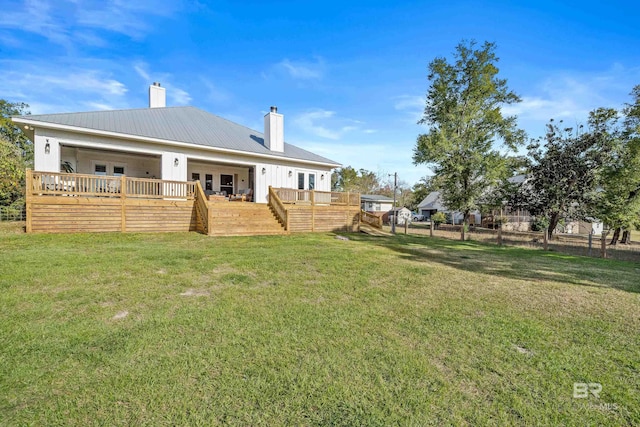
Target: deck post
{"x": 123, "y": 203}
{"x": 313, "y": 210}
{"x": 28, "y": 198}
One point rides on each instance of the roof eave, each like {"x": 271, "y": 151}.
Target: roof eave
{"x": 76, "y": 129}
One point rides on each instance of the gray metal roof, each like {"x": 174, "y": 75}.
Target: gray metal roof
{"x": 181, "y": 124}
{"x": 375, "y": 198}
{"x": 432, "y": 201}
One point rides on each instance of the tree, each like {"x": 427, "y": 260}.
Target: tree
{"x": 463, "y": 110}
{"x": 16, "y": 154}
{"x": 565, "y": 172}
{"x": 618, "y": 202}
{"x": 362, "y": 181}
{"x": 12, "y": 133}
{"x": 12, "y": 174}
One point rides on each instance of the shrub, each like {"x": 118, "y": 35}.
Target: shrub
{"x": 438, "y": 218}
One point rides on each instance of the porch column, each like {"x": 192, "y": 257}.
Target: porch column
{"x": 46, "y": 154}
{"x": 174, "y": 166}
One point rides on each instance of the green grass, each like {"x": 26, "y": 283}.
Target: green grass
{"x": 311, "y": 330}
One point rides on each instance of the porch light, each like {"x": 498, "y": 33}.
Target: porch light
{"x": 290, "y": 174}
{"x": 47, "y": 147}
{"x": 322, "y": 177}
{"x": 264, "y": 170}
{"x": 176, "y": 162}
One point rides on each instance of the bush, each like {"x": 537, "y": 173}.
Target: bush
{"x": 438, "y": 218}
{"x": 539, "y": 223}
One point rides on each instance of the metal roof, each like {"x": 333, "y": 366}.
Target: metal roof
{"x": 432, "y": 201}
{"x": 375, "y": 198}
{"x": 180, "y": 124}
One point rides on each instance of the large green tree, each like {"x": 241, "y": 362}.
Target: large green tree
{"x": 618, "y": 201}
{"x": 565, "y": 170}
{"x": 16, "y": 154}
{"x": 467, "y": 126}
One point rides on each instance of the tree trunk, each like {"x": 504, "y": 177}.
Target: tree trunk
{"x": 553, "y": 223}
{"x": 626, "y": 237}
{"x": 615, "y": 237}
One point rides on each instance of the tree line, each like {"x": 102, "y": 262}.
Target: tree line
{"x": 584, "y": 173}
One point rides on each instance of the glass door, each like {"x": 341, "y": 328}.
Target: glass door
{"x": 226, "y": 183}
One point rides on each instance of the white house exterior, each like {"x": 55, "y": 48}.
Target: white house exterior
{"x": 433, "y": 203}
{"x": 177, "y": 144}
{"x": 376, "y": 203}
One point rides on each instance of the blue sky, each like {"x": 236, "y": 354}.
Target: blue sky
{"x": 350, "y": 77}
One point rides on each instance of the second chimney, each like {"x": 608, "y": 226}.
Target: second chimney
{"x": 274, "y": 130}
{"x": 157, "y": 96}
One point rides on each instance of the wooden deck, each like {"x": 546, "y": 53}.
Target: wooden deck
{"x": 72, "y": 203}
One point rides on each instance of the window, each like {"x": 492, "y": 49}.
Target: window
{"x": 300, "y": 181}
{"x": 312, "y": 181}
{"x": 195, "y": 176}
{"x": 208, "y": 183}
{"x": 100, "y": 169}
{"x": 118, "y": 170}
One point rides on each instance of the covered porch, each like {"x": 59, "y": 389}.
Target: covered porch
{"x": 220, "y": 181}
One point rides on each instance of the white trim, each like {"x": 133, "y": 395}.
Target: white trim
{"x": 164, "y": 141}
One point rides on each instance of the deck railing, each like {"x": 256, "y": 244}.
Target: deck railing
{"x": 317, "y": 198}
{"x": 278, "y": 208}
{"x": 202, "y": 209}
{"x": 73, "y": 184}
{"x": 371, "y": 219}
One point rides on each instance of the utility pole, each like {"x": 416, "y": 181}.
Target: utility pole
{"x": 395, "y": 212}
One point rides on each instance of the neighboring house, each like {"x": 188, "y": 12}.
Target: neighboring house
{"x": 433, "y": 203}
{"x": 376, "y": 203}
{"x": 176, "y": 144}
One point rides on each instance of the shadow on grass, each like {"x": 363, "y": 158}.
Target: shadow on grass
{"x": 513, "y": 262}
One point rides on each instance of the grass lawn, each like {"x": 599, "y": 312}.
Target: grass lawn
{"x": 184, "y": 329}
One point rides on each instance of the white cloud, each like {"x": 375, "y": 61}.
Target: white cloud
{"x": 303, "y": 70}
{"x": 73, "y": 22}
{"x": 412, "y": 106}
{"x": 309, "y": 123}
{"x": 178, "y": 96}
{"x": 570, "y": 95}
{"x": 141, "y": 69}
{"x": 60, "y": 88}
{"x": 214, "y": 93}
{"x": 325, "y": 124}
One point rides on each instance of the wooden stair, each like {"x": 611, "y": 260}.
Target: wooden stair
{"x": 242, "y": 219}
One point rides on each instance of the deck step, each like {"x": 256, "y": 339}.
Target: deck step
{"x": 242, "y": 219}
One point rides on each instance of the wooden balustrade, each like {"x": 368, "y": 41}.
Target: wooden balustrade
{"x": 278, "y": 207}
{"x": 317, "y": 198}
{"x": 371, "y": 219}
{"x": 202, "y": 210}
{"x": 72, "y": 184}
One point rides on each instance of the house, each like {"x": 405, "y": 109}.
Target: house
{"x": 433, "y": 203}
{"x": 176, "y": 144}
{"x": 162, "y": 152}
{"x": 376, "y": 203}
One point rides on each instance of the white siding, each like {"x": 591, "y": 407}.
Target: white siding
{"x": 46, "y": 158}
{"x": 91, "y": 147}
